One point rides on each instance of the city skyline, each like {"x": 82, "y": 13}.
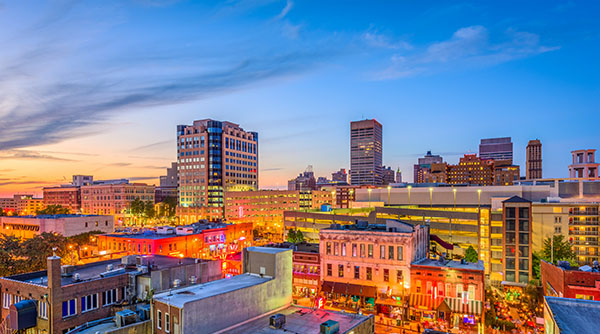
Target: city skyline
{"x": 115, "y": 111}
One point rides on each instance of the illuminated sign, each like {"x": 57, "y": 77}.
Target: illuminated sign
{"x": 23, "y": 227}
{"x": 241, "y": 212}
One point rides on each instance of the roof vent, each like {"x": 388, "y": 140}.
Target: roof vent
{"x": 176, "y": 283}
{"x": 76, "y": 277}
{"x": 277, "y": 321}
{"x": 193, "y": 279}
{"x": 109, "y": 267}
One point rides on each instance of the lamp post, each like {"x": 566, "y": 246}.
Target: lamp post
{"x": 431, "y": 197}
{"x": 333, "y": 199}
{"x": 409, "y": 188}
{"x": 454, "y": 193}
{"x": 389, "y": 194}
{"x": 71, "y": 248}
{"x": 478, "y": 198}
{"x": 369, "y": 190}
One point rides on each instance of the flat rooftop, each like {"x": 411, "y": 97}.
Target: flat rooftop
{"x": 180, "y": 297}
{"x": 91, "y": 271}
{"x": 574, "y": 316}
{"x": 450, "y": 264}
{"x": 301, "y": 320}
{"x": 152, "y": 234}
{"x": 52, "y": 216}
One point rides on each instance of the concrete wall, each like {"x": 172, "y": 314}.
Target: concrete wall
{"x": 212, "y": 314}
{"x": 365, "y": 327}
{"x": 144, "y": 327}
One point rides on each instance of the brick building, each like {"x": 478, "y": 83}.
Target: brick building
{"x": 450, "y": 290}
{"x": 112, "y": 198}
{"x": 27, "y": 227}
{"x": 67, "y": 197}
{"x": 563, "y": 281}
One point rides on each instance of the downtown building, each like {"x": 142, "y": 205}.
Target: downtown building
{"x": 27, "y": 227}
{"x": 67, "y": 196}
{"x": 366, "y": 153}
{"x": 426, "y": 166}
{"x": 21, "y": 204}
{"x": 214, "y": 157}
{"x": 584, "y": 164}
{"x": 496, "y": 149}
{"x": 534, "y": 160}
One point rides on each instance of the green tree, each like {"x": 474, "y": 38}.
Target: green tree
{"x": 535, "y": 264}
{"x": 471, "y": 255}
{"x": 291, "y": 235}
{"x": 170, "y": 204}
{"x": 2, "y": 212}
{"x": 10, "y": 262}
{"x": 80, "y": 240}
{"x": 299, "y": 236}
{"x": 149, "y": 211}
{"x": 557, "y": 249}
{"x": 54, "y": 210}
{"x": 36, "y": 250}
{"x": 136, "y": 207}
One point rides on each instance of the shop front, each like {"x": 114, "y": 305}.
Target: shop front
{"x": 425, "y": 307}
{"x": 353, "y": 297}
{"x": 465, "y": 313}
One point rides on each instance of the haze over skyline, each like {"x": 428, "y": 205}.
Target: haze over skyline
{"x": 99, "y": 88}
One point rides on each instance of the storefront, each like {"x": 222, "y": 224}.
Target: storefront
{"x": 350, "y": 296}
{"x": 465, "y": 313}
{"x": 424, "y": 307}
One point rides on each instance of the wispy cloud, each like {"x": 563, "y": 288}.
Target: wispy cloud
{"x": 379, "y": 40}
{"x": 288, "y": 6}
{"x": 36, "y": 182}
{"x": 160, "y": 144}
{"x": 468, "y": 47}
{"x": 271, "y": 169}
{"x": 28, "y": 155}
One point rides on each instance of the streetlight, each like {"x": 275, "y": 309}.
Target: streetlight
{"x": 71, "y": 248}
{"x": 431, "y": 197}
{"x": 389, "y": 189}
{"x": 479, "y": 198}
{"x": 369, "y": 190}
{"x": 333, "y": 199}
{"x": 409, "y": 188}
{"x": 454, "y": 192}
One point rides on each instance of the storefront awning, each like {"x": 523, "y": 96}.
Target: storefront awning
{"x": 349, "y": 289}
{"x": 424, "y": 301}
{"x": 458, "y": 306}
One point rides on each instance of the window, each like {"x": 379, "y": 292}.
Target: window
{"x": 341, "y": 270}
{"x": 6, "y": 301}
{"x": 418, "y": 286}
{"x": 328, "y": 248}
{"x": 329, "y": 270}
{"x": 343, "y": 249}
{"x": 362, "y": 250}
{"x": 43, "y": 310}
{"x": 370, "y": 251}
{"x": 18, "y": 299}
{"x": 159, "y": 319}
{"x": 587, "y": 297}
{"x": 354, "y": 250}
{"x": 386, "y": 275}
{"x": 382, "y": 252}
{"x": 89, "y": 302}
{"x": 109, "y": 297}
{"x": 336, "y": 248}
{"x": 167, "y": 322}
{"x": 399, "y": 277}
{"x": 428, "y": 289}
{"x": 471, "y": 292}
{"x": 356, "y": 272}
{"x": 448, "y": 289}
{"x": 391, "y": 252}
{"x": 69, "y": 308}
{"x": 369, "y": 273}
{"x": 459, "y": 290}
{"x": 399, "y": 251}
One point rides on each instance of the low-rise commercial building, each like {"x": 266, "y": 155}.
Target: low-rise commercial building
{"x": 66, "y": 196}
{"x": 113, "y": 197}
{"x": 570, "y": 316}
{"x": 452, "y": 291}
{"x": 370, "y": 263}
{"x": 307, "y": 268}
{"x": 27, "y": 227}
{"x": 567, "y": 282}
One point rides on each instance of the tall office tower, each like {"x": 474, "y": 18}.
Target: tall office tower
{"x": 496, "y": 149}
{"x": 213, "y": 157}
{"x": 534, "y": 160}
{"x": 423, "y": 167}
{"x": 366, "y": 150}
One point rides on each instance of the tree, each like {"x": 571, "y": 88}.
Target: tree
{"x": 291, "y": 236}
{"x": 36, "y": 250}
{"x": 149, "y": 211}
{"x": 557, "y": 249}
{"x": 54, "y": 210}
{"x": 471, "y": 255}
{"x": 79, "y": 240}
{"x": 136, "y": 207}
{"x": 170, "y": 204}
{"x": 2, "y": 212}
{"x": 299, "y": 236}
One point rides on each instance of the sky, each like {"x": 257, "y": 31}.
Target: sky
{"x": 98, "y": 87}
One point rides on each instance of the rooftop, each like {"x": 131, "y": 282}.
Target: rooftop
{"x": 574, "y": 316}
{"x": 301, "y": 320}
{"x": 450, "y": 264}
{"x": 196, "y": 292}
{"x": 151, "y": 233}
{"x": 299, "y": 247}
{"x": 52, "y": 216}
{"x": 391, "y": 226}
{"x": 93, "y": 270}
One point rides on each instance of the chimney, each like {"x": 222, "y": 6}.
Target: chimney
{"x": 54, "y": 272}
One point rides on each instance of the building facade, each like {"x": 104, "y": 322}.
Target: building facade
{"x": 496, "y": 149}
{"x": 340, "y": 176}
{"x": 214, "y": 157}
{"x": 517, "y": 242}
{"x": 423, "y": 167}
{"x": 67, "y": 197}
{"x": 472, "y": 170}
{"x": 66, "y": 225}
{"x": 389, "y": 175}
{"x": 371, "y": 262}
{"x": 113, "y": 198}
{"x": 584, "y": 164}
{"x": 366, "y": 153}
{"x": 305, "y": 181}
{"x": 534, "y": 160}
{"x": 563, "y": 281}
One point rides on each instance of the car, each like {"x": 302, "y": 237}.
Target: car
{"x": 433, "y": 331}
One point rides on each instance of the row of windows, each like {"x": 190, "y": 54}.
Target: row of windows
{"x": 159, "y": 321}
{"x": 366, "y": 250}
{"x": 446, "y": 289}
{"x": 90, "y": 302}
{"x": 367, "y": 273}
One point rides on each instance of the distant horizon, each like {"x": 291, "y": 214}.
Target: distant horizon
{"x": 99, "y": 89}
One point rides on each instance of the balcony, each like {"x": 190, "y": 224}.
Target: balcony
{"x": 584, "y": 243}
{"x": 592, "y": 233}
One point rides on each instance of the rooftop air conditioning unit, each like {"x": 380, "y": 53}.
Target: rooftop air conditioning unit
{"x": 330, "y": 327}
{"x": 124, "y": 318}
{"x": 67, "y": 271}
{"x": 184, "y": 230}
{"x": 277, "y": 321}
{"x": 144, "y": 312}
{"x": 142, "y": 260}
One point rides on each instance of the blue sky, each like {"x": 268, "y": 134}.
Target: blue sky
{"x": 99, "y": 87}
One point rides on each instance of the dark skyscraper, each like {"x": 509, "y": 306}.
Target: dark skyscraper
{"x": 534, "y": 160}
{"x": 496, "y": 149}
{"x": 366, "y": 152}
